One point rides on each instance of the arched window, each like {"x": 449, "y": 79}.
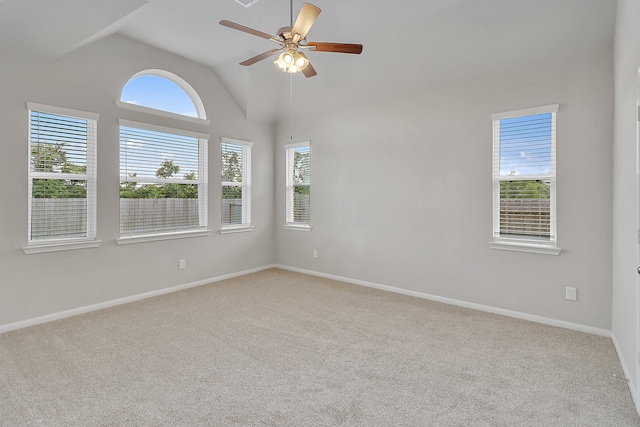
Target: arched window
{"x": 163, "y": 169}
{"x": 162, "y": 90}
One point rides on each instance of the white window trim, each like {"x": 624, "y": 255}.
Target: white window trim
{"x": 246, "y": 225}
{"x": 61, "y": 111}
{"x": 236, "y": 229}
{"x": 203, "y": 182}
{"x": 56, "y": 245}
{"x": 161, "y": 113}
{"x": 63, "y": 245}
{"x": 301, "y": 227}
{"x": 551, "y": 108}
{"x": 157, "y": 128}
{"x": 142, "y": 238}
{"x": 524, "y": 245}
{"x": 293, "y": 226}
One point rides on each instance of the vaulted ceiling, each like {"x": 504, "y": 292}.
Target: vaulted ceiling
{"x": 409, "y": 45}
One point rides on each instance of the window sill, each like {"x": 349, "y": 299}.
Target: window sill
{"x": 525, "y": 247}
{"x": 38, "y": 248}
{"x": 239, "y": 229}
{"x": 301, "y": 227}
{"x": 141, "y": 238}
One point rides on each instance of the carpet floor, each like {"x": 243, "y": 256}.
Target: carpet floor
{"x": 278, "y": 348}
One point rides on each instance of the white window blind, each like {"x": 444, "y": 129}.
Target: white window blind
{"x": 298, "y": 183}
{"x": 524, "y": 176}
{"x": 163, "y": 179}
{"x": 236, "y": 183}
{"x": 62, "y": 174}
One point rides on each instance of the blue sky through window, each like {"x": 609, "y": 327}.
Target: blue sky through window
{"x": 143, "y": 151}
{"x": 53, "y": 132}
{"x": 525, "y": 145}
{"x": 159, "y": 93}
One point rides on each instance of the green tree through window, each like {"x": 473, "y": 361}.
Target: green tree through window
{"x": 235, "y": 178}
{"x": 52, "y": 158}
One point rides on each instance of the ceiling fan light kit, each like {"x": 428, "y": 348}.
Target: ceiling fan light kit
{"x": 292, "y": 39}
{"x": 291, "y": 61}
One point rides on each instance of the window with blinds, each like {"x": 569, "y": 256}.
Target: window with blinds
{"x": 62, "y": 174}
{"x": 236, "y": 183}
{"x": 298, "y": 184}
{"x": 163, "y": 179}
{"x": 524, "y": 176}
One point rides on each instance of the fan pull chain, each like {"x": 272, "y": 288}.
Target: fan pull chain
{"x": 291, "y": 105}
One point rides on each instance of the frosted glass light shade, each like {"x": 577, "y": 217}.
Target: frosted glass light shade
{"x": 291, "y": 61}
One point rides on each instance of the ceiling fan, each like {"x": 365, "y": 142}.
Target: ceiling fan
{"x": 292, "y": 41}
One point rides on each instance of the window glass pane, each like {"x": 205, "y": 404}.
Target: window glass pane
{"x": 231, "y": 205}
{"x": 58, "y": 209}
{"x": 525, "y": 189}
{"x": 159, "y": 184}
{"x": 525, "y": 209}
{"x": 236, "y": 184}
{"x": 146, "y": 153}
{"x": 298, "y": 185}
{"x": 58, "y": 143}
{"x": 301, "y": 198}
{"x": 525, "y": 145}
{"x": 153, "y": 214}
{"x": 58, "y": 189}
{"x": 140, "y": 190}
{"x": 159, "y": 93}
{"x": 301, "y": 165}
{"x": 231, "y": 162}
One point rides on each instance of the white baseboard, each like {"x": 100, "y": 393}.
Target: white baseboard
{"x": 125, "y": 300}
{"x": 459, "y": 303}
{"x": 94, "y": 307}
{"x": 625, "y": 369}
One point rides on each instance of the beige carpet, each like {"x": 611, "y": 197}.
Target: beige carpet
{"x": 277, "y": 348}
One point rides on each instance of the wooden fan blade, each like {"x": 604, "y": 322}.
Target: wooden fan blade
{"x": 245, "y": 29}
{"x": 309, "y": 71}
{"x": 305, "y": 20}
{"x": 336, "y": 47}
{"x": 260, "y": 57}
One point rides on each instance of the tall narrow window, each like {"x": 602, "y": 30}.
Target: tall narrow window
{"x": 62, "y": 175}
{"x": 298, "y": 185}
{"x": 236, "y": 185}
{"x": 524, "y": 180}
{"x": 162, "y": 179}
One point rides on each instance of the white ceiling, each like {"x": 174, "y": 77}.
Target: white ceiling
{"x": 409, "y": 45}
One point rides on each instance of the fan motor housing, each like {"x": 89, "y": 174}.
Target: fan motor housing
{"x": 285, "y": 32}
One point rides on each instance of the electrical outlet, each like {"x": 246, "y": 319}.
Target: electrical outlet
{"x": 315, "y": 253}
{"x": 571, "y": 293}
{"x": 182, "y": 264}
